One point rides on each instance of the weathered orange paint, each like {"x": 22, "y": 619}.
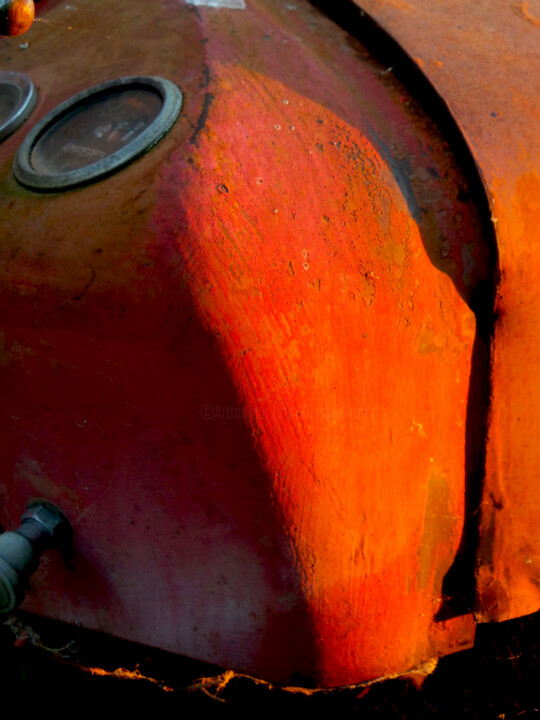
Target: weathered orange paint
{"x": 241, "y": 365}
{"x": 483, "y": 59}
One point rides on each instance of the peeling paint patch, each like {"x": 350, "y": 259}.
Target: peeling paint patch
{"x": 231, "y": 4}
{"x": 366, "y": 289}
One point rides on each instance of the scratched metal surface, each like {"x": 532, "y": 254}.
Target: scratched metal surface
{"x": 241, "y": 365}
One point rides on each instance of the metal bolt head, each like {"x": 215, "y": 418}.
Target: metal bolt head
{"x": 51, "y": 520}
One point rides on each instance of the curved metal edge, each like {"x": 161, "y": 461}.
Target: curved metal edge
{"x": 29, "y": 96}
{"x": 363, "y": 20}
{"x": 22, "y": 165}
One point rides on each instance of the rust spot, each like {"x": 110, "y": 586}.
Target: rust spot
{"x": 393, "y": 253}
{"x": 430, "y": 342}
{"x": 438, "y": 527}
{"x": 493, "y": 602}
{"x": 366, "y": 289}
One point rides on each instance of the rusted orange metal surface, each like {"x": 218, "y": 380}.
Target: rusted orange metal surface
{"x": 483, "y": 58}
{"x": 241, "y": 365}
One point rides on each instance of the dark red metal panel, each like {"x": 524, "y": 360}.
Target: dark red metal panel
{"x": 241, "y": 365}
{"x": 484, "y": 60}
